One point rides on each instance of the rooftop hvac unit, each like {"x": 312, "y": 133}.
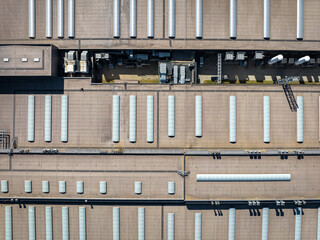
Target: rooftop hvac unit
{"x": 163, "y": 68}
{"x": 71, "y": 68}
{"x": 175, "y": 74}
{"x": 84, "y": 56}
{"x": 71, "y": 55}
{"x": 229, "y": 56}
{"x": 258, "y": 55}
{"x": 182, "y": 74}
{"x": 241, "y": 56}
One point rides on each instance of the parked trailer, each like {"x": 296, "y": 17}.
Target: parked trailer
{"x": 266, "y": 19}
{"x": 133, "y": 18}
{"x": 150, "y": 19}
{"x": 172, "y": 19}
{"x": 32, "y": 18}
{"x": 116, "y": 18}
{"x": 71, "y": 18}
{"x": 199, "y": 20}
{"x": 49, "y": 18}
{"x": 233, "y": 19}
{"x": 60, "y": 18}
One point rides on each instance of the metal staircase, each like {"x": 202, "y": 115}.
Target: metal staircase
{"x": 288, "y": 91}
{"x": 219, "y": 67}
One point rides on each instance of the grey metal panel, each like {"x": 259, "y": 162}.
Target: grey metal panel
{"x": 31, "y": 101}
{"x": 300, "y": 119}
{"x": 116, "y": 18}
{"x": 170, "y": 226}
{"x": 62, "y": 187}
{"x": 47, "y": 119}
{"x": 232, "y": 223}
{"x": 8, "y": 223}
{"x": 141, "y": 224}
{"x": 32, "y": 18}
{"x": 80, "y": 188}
{"x": 60, "y": 18}
{"x": 266, "y": 19}
{"x": 4, "y": 186}
{"x": 197, "y": 226}
{"x": 265, "y": 223}
{"x": 71, "y": 18}
{"x": 64, "y": 118}
{"x": 32, "y": 223}
{"x": 103, "y": 187}
{"x": 137, "y": 187}
{"x": 116, "y": 223}
{"x": 133, "y": 18}
{"x": 28, "y": 186}
{"x": 48, "y": 212}
{"x": 49, "y": 18}
{"x": 65, "y": 223}
{"x": 45, "y": 186}
{"x": 233, "y": 119}
{"x": 233, "y": 19}
{"x": 297, "y": 229}
{"x": 150, "y": 19}
{"x": 82, "y": 223}
{"x": 299, "y": 19}
{"x": 171, "y": 114}
{"x": 242, "y": 177}
{"x": 116, "y": 118}
{"x": 133, "y": 118}
{"x": 171, "y": 188}
{"x": 172, "y": 18}
{"x": 199, "y": 20}
{"x": 150, "y": 119}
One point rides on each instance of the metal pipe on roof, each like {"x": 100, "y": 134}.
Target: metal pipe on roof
{"x": 141, "y": 224}
{"x": 302, "y": 60}
{"x": 265, "y": 223}
{"x": 297, "y": 229}
{"x": 116, "y": 18}
{"x": 82, "y": 223}
{"x": 71, "y": 18}
{"x": 170, "y": 226}
{"x": 172, "y": 19}
{"x": 116, "y": 223}
{"x": 150, "y": 119}
{"x": 300, "y": 119}
{"x": 133, "y": 18}
{"x": 32, "y": 18}
{"x": 232, "y": 223}
{"x": 8, "y": 223}
{"x": 242, "y": 177}
{"x": 64, "y": 118}
{"x": 60, "y": 18}
{"x": 65, "y": 223}
{"x": 233, "y": 19}
{"x": 47, "y": 119}
{"x": 48, "y": 213}
{"x": 299, "y": 19}
{"x": 132, "y": 118}
{"x": 233, "y": 119}
{"x": 171, "y": 117}
{"x": 31, "y": 118}
{"x": 32, "y": 223}
{"x": 198, "y": 120}
{"x": 275, "y": 59}
{"x": 199, "y": 20}
{"x": 116, "y": 118}
{"x": 266, "y": 19}
{"x": 197, "y": 226}
{"x": 150, "y": 19}
{"x": 266, "y": 119}
{"x": 49, "y": 18}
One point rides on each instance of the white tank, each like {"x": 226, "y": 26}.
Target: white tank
{"x": 275, "y": 59}
{"x": 302, "y": 60}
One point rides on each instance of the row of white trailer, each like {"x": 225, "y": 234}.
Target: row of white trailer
{"x": 150, "y": 19}
{"x": 198, "y": 118}
{"x": 79, "y": 187}
{"x": 60, "y": 18}
{"x": 48, "y": 118}
{"x": 198, "y": 226}
{"x": 150, "y": 118}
